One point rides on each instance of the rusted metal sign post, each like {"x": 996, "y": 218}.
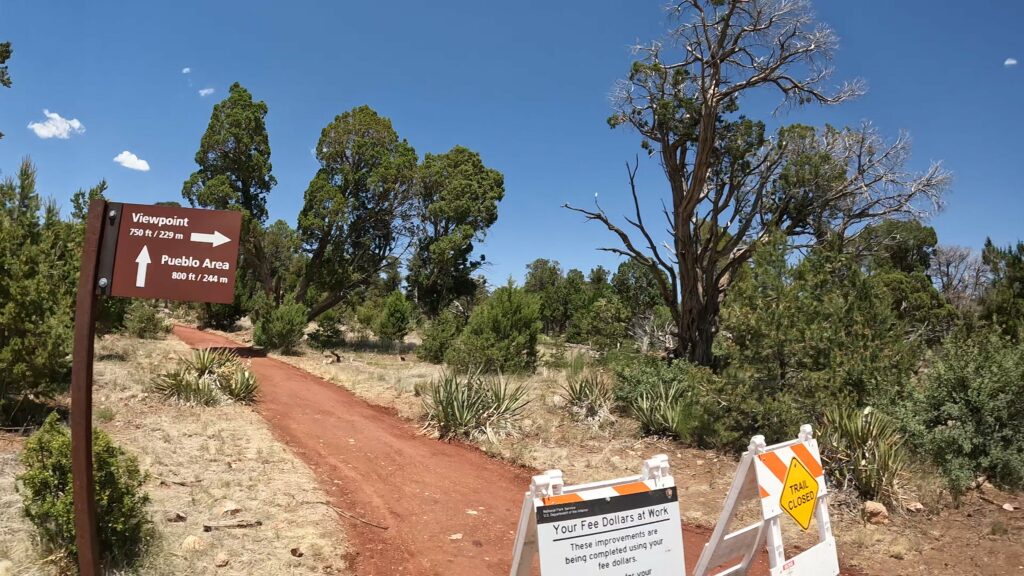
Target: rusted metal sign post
{"x": 137, "y": 251}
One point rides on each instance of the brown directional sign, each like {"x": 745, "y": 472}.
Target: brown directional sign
{"x": 170, "y": 253}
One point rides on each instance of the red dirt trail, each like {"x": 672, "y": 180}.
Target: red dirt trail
{"x": 378, "y": 467}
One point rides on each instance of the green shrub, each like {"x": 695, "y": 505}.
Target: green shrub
{"x": 124, "y": 528}
{"x": 219, "y": 316}
{"x": 439, "y": 335}
{"x": 473, "y": 405}
{"x": 587, "y": 394}
{"x": 501, "y": 334}
{"x": 968, "y": 415}
{"x": 864, "y": 450}
{"x": 685, "y": 401}
{"x": 208, "y": 378}
{"x": 327, "y": 335}
{"x": 281, "y": 329}
{"x": 143, "y": 320}
{"x": 394, "y": 319}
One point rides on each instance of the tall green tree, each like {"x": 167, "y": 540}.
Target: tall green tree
{"x": 38, "y": 255}
{"x": 545, "y": 281}
{"x": 235, "y": 173}
{"x": 732, "y": 186}
{"x": 359, "y": 207}
{"x": 457, "y": 201}
{"x": 1002, "y": 302}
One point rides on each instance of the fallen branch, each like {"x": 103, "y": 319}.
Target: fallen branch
{"x": 347, "y": 515}
{"x": 178, "y": 482}
{"x": 226, "y": 524}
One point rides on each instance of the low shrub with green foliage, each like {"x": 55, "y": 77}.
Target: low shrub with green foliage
{"x": 143, "y": 320}
{"x": 123, "y": 528}
{"x": 282, "y": 328}
{"x": 969, "y": 413}
{"x": 864, "y": 450}
{"x": 208, "y": 378}
{"x": 327, "y": 335}
{"x": 501, "y": 334}
{"x": 438, "y": 336}
{"x": 394, "y": 319}
{"x": 219, "y": 316}
{"x": 473, "y": 405}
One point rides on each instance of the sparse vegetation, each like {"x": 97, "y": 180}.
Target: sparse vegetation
{"x": 124, "y": 528}
{"x": 208, "y": 378}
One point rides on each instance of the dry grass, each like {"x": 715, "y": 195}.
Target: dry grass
{"x": 200, "y": 461}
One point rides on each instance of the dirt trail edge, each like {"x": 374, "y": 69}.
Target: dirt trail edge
{"x": 377, "y": 467}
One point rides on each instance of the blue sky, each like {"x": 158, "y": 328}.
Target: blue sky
{"x": 525, "y": 83}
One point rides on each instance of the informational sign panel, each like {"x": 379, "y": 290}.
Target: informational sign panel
{"x": 171, "y": 253}
{"x": 631, "y": 534}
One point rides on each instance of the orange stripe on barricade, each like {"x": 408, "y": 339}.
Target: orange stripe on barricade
{"x": 632, "y": 488}
{"x": 562, "y": 499}
{"x": 808, "y": 459}
{"x": 772, "y": 461}
{"x": 764, "y": 493}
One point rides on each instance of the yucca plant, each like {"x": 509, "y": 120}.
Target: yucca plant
{"x": 207, "y": 378}
{"x": 183, "y": 386}
{"x": 472, "y": 404}
{"x": 241, "y": 387}
{"x": 864, "y": 450}
{"x": 207, "y": 360}
{"x": 588, "y": 395}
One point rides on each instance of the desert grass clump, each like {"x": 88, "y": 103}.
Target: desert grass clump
{"x": 474, "y": 405}
{"x": 207, "y": 378}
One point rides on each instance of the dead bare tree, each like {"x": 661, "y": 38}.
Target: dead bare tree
{"x": 959, "y": 274}
{"x": 732, "y": 186}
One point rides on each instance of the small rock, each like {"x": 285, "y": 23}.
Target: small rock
{"x": 229, "y": 508}
{"x": 192, "y": 543}
{"x": 175, "y": 517}
{"x": 472, "y": 512}
{"x": 297, "y": 552}
{"x": 455, "y": 537}
{"x": 1009, "y": 507}
{"x": 915, "y": 507}
{"x": 221, "y": 560}
{"x": 557, "y": 401}
{"x": 875, "y": 513}
{"x": 6, "y": 568}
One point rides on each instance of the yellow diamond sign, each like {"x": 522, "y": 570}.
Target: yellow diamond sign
{"x": 800, "y": 493}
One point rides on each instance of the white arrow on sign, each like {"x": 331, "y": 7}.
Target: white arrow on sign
{"x": 215, "y": 239}
{"x": 143, "y": 261}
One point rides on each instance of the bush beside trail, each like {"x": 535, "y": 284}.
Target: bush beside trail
{"x": 124, "y": 529}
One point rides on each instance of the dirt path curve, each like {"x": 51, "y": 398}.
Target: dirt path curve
{"x": 377, "y": 466}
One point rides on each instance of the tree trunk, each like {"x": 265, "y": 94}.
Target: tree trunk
{"x": 696, "y": 326}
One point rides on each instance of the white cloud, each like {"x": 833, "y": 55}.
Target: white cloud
{"x": 186, "y": 70}
{"x": 56, "y": 127}
{"x": 206, "y": 91}
{"x": 1010, "y": 62}
{"x": 131, "y": 161}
